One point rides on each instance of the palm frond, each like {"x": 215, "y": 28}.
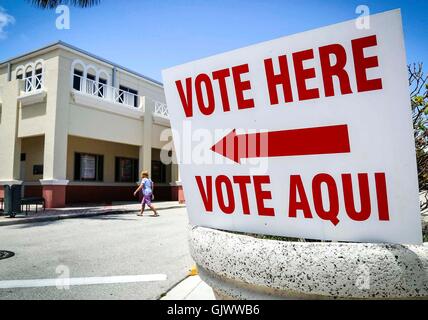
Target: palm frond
{"x": 50, "y": 4}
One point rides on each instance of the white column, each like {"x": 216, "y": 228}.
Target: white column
{"x": 10, "y": 151}
{"x": 56, "y": 135}
{"x": 145, "y": 162}
{"x": 57, "y": 84}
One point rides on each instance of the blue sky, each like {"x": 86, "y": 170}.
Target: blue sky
{"x": 150, "y": 35}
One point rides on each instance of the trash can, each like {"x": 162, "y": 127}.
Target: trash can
{"x": 12, "y": 199}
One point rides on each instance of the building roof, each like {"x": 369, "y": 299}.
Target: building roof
{"x": 69, "y": 46}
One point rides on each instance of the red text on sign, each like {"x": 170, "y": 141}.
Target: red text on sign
{"x": 329, "y": 71}
{"x": 226, "y": 195}
{"x": 298, "y": 199}
{"x": 325, "y": 191}
{"x": 203, "y": 86}
{"x": 210, "y": 91}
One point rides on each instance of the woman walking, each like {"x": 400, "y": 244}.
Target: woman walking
{"x": 146, "y": 187}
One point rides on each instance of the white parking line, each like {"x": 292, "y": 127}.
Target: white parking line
{"x": 65, "y": 282}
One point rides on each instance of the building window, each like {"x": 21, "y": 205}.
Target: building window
{"x": 102, "y": 84}
{"x": 38, "y": 170}
{"x": 90, "y": 77}
{"x": 126, "y": 170}
{"x": 91, "y": 86}
{"x": 128, "y": 96}
{"x": 38, "y": 80}
{"x": 77, "y": 79}
{"x": 158, "y": 171}
{"x": 19, "y": 75}
{"x": 88, "y": 167}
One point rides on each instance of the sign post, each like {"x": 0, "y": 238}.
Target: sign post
{"x": 307, "y": 136}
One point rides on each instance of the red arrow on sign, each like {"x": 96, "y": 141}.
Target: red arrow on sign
{"x": 296, "y": 142}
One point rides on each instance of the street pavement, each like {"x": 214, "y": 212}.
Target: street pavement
{"x": 100, "y": 246}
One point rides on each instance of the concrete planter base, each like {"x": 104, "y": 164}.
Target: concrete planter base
{"x": 244, "y": 267}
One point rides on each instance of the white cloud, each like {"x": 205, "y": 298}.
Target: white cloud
{"x": 5, "y": 20}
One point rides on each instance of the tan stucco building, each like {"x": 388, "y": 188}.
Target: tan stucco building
{"x": 77, "y": 128}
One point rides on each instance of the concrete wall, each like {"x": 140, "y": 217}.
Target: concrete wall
{"x": 34, "y": 119}
{"x": 10, "y": 147}
{"x": 33, "y": 149}
{"x": 156, "y": 133}
{"x": 109, "y": 150}
{"x": 246, "y": 267}
{"x": 96, "y": 124}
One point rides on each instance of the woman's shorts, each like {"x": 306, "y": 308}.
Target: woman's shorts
{"x": 147, "y": 199}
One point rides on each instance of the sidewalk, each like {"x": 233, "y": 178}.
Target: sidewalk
{"x": 191, "y": 288}
{"x": 82, "y": 211}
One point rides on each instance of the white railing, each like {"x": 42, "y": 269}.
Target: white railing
{"x": 107, "y": 92}
{"x": 161, "y": 109}
{"x": 33, "y": 83}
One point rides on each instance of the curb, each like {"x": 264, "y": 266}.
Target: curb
{"x": 72, "y": 216}
{"x": 162, "y": 295}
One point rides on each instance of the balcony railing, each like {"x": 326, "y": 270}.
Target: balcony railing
{"x": 115, "y": 95}
{"x": 33, "y": 83}
{"x": 107, "y": 92}
{"x": 161, "y": 109}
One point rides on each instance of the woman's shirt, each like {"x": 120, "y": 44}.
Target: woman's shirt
{"x": 147, "y": 186}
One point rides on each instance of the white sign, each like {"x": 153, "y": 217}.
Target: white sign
{"x": 305, "y": 136}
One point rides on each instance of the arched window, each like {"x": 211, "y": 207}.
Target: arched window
{"x": 20, "y": 73}
{"x": 32, "y": 74}
{"x": 91, "y": 85}
{"x": 38, "y": 66}
{"x": 78, "y": 69}
{"x": 90, "y": 79}
{"x": 28, "y": 78}
{"x": 91, "y": 73}
{"x": 103, "y": 82}
{"x": 28, "y": 71}
{"x": 103, "y": 77}
{"x": 38, "y": 75}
